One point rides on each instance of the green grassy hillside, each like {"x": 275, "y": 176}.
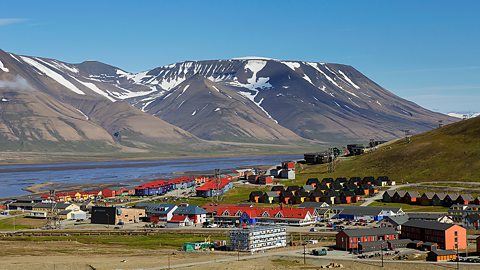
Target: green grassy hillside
{"x": 450, "y": 153}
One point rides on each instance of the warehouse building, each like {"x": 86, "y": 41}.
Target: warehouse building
{"x": 257, "y": 238}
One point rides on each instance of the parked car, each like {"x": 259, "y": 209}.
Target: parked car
{"x": 311, "y": 241}
{"x": 319, "y": 252}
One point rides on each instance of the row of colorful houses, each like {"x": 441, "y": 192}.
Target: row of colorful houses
{"x": 79, "y": 196}
{"x": 246, "y": 214}
{"x": 428, "y": 198}
{"x": 329, "y": 190}
{"x": 161, "y": 187}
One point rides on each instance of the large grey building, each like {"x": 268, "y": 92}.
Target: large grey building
{"x": 256, "y": 238}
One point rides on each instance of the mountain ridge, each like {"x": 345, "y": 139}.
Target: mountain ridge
{"x": 268, "y": 100}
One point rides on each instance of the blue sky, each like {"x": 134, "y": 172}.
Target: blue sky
{"x": 425, "y": 51}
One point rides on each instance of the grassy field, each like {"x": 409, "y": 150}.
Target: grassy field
{"x": 449, "y": 153}
{"x": 162, "y": 241}
{"x": 20, "y": 223}
{"x": 411, "y": 208}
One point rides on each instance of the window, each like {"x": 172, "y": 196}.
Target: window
{"x": 456, "y": 239}
{"x": 456, "y": 246}
{"x": 456, "y": 233}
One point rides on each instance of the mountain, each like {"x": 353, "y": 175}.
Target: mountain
{"x": 44, "y": 107}
{"x": 318, "y": 101}
{"x": 463, "y": 115}
{"x": 243, "y": 100}
{"x": 449, "y": 153}
{"x": 200, "y": 107}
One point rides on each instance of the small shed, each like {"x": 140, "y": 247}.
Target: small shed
{"x": 371, "y": 246}
{"x": 429, "y": 246}
{"x": 441, "y": 255}
{"x": 398, "y": 243}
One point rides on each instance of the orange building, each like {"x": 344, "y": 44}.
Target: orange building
{"x": 447, "y": 236}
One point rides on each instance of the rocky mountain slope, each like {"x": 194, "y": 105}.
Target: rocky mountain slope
{"x": 238, "y": 100}
{"x": 43, "y": 107}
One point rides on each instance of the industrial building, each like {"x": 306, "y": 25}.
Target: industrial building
{"x": 256, "y": 238}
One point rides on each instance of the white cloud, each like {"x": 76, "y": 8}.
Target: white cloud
{"x": 8, "y": 21}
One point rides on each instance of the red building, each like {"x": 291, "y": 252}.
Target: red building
{"x": 288, "y": 165}
{"x": 108, "y": 193}
{"x": 265, "y": 180}
{"x": 350, "y": 239}
{"x": 448, "y": 236}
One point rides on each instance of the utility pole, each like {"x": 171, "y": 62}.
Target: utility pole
{"x": 440, "y": 123}
{"x": 408, "y": 136}
{"x": 381, "y": 250}
{"x": 331, "y": 159}
{"x": 458, "y": 259}
{"x": 304, "y": 253}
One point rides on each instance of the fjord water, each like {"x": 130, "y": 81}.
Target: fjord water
{"x": 15, "y": 177}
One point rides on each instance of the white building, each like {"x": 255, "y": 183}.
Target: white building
{"x": 258, "y": 238}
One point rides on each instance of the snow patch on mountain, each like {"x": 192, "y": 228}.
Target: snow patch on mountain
{"x": 254, "y": 83}
{"x": 2, "y": 67}
{"x": 348, "y": 80}
{"x": 13, "y": 56}
{"x": 95, "y": 89}
{"x": 291, "y": 65}
{"x": 461, "y": 115}
{"x": 170, "y": 83}
{"x": 137, "y": 78}
{"x": 213, "y": 86}
{"x": 52, "y": 74}
{"x": 62, "y": 66}
{"x": 84, "y": 115}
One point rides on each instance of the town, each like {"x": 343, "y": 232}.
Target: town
{"x": 328, "y": 217}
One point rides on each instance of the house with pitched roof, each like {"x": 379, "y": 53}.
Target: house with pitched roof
{"x": 426, "y": 198}
{"x": 194, "y": 213}
{"x": 157, "y": 212}
{"x": 214, "y": 188}
{"x": 179, "y": 221}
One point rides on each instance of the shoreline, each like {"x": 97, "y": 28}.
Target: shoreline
{"x": 40, "y": 188}
{"x": 97, "y": 159}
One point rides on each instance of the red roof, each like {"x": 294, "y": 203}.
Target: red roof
{"x": 253, "y": 211}
{"x": 163, "y": 182}
{"x": 213, "y": 185}
{"x": 176, "y": 218}
{"x": 153, "y": 184}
